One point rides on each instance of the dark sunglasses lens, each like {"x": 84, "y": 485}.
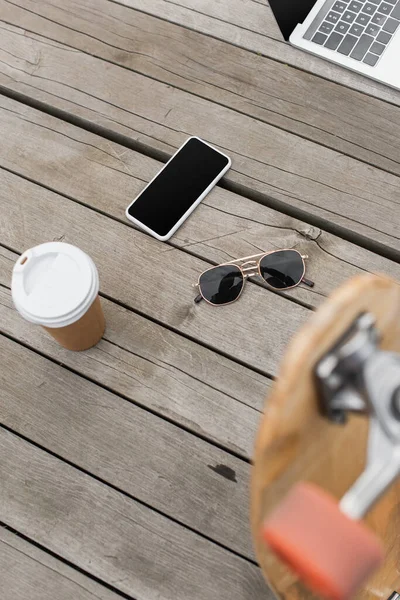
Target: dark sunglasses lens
{"x": 222, "y": 284}
{"x": 282, "y": 269}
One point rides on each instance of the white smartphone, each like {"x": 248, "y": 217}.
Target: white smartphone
{"x": 178, "y": 188}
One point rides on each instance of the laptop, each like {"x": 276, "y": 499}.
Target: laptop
{"x": 361, "y": 35}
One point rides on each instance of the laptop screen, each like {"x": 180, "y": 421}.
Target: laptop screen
{"x": 290, "y": 13}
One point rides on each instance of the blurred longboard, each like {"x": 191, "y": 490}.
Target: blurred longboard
{"x": 296, "y": 442}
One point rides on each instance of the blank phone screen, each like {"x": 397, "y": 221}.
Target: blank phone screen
{"x": 178, "y": 186}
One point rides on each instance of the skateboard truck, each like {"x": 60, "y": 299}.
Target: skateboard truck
{"x": 356, "y": 376}
{"x": 309, "y": 495}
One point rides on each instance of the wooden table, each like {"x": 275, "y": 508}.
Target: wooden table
{"x": 124, "y": 470}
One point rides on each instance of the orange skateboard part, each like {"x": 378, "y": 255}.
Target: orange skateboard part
{"x": 297, "y": 443}
{"x": 330, "y": 552}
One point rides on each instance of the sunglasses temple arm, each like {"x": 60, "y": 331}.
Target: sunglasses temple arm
{"x": 308, "y": 282}
{"x": 198, "y": 298}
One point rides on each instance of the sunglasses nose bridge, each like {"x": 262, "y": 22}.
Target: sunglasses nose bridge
{"x": 249, "y": 271}
{"x": 250, "y": 267}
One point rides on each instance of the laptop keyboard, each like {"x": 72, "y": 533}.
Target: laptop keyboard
{"x": 360, "y": 29}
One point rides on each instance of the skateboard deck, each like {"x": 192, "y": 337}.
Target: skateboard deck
{"x": 296, "y": 442}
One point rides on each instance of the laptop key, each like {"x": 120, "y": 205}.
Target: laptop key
{"x": 356, "y": 30}
{"x": 385, "y": 8}
{"x": 377, "y": 48}
{"x": 372, "y": 29}
{"x": 347, "y": 45}
{"x": 332, "y": 17}
{"x": 391, "y": 25}
{"x": 342, "y": 27}
{"x": 369, "y": 8}
{"x": 355, "y": 6}
{"x": 384, "y": 37}
{"x": 396, "y": 12}
{"x": 378, "y": 19}
{"x": 334, "y": 40}
{"x": 362, "y": 47}
{"x": 371, "y": 60}
{"x": 363, "y": 19}
{"x": 319, "y": 38}
{"x": 326, "y": 27}
{"x": 348, "y": 17}
{"x": 339, "y": 7}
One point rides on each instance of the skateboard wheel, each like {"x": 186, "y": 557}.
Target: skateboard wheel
{"x": 332, "y": 554}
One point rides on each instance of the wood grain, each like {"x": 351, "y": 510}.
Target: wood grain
{"x": 288, "y": 98}
{"x": 157, "y": 279}
{"x": 7, "y": 260}
{"x": 283, "y": 168}
{"x": 168, "y": 402}
{"x": 28, "y": 572}
{"x": 161, "y": 371}
{"x": 103, "y": 175}
{"x": 284, "y": 454}
{"x": 127, "y": 545}
{"x": 159, "y": 464}
{"x": 251, "y": 25}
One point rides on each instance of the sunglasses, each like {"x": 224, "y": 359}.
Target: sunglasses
{"x": 280, "y": 269}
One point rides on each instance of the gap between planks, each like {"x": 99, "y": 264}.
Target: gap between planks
{"x": 335, "y": 117}
{"x": 127, "y": 449}
{"x": 236, "y": 225}
{"x": 261, "y": 37}
{"x": 213, "y": 537}
{"x": 95, "y": 527}
{"x": 139, "y": 361}
{"x": 259, "y": 180}
{"x": 28, "y": 570}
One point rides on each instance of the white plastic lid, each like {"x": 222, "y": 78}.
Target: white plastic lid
{"x": 54, "y": 284}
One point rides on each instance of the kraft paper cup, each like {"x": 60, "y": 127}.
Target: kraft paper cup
{"x": 56, "y": 285}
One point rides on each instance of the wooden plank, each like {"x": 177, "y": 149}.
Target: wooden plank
{"x": 127, "y": 545}
{"x": 159, "y": 284}
{"x": 201, "y": 390}
{"x": 159, "y": 370}
{"x": 141, "y": 454}
{"x": 28, "y": 572}
{"x": 102, "y": 174}
{"x": 282, "y": 167}
{"x": 324, "y": 112}
{"x": 252, "y": 26}
{"x": 7, "y": 260}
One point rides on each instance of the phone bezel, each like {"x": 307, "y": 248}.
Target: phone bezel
{"x": 171, "y": 232}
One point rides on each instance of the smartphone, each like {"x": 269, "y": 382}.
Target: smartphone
{"x": 178, "y": 188}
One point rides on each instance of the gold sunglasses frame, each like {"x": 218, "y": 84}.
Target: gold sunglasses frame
{"x": 252, "y": 270}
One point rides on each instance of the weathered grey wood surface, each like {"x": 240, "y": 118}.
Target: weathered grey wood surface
{"x": 28, "y": 572}
{"x": 282, "y": 167}
{"x": 156, "y": 368}
{"x": 117, "y": 539}
{"x": 131, "y": 461}
{"x": 98, "y": 173}
{"x": 171, "y": 470}
{"x": 252, "y": 26}
{"x": 221, "y": 72}
{"x": 154, "y": 286}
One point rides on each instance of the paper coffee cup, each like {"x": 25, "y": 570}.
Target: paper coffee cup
{"x": 56, "y": 285}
